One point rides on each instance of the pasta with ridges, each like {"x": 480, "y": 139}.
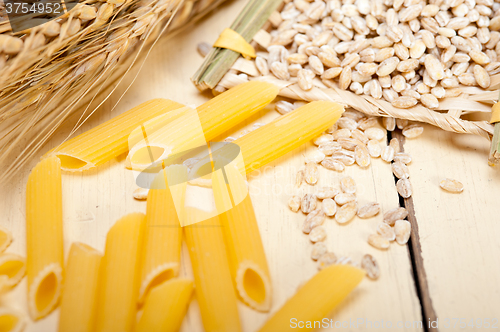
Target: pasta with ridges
{"x": 44, "y": 237}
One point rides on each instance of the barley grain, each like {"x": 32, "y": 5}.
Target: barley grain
{"x": 329, "y": 207}
{"x": 402, "y": 229}
{"x": 319, "y": 249}
{"x": 317, "y": 234}
{"x": 404, "y": 188}
{"x": 347, "y": 185}
{"x": 452, "y": 186}
{"x": 314, "y": 219}
{"x": 311, "y": 173}
{"x": 326, "y": 260}
{"x": 369, "y": 210}
{"x": 284, "y": 107}
{"x": 394, "y": 143}
{"x": 345, "y": 78}
{"x": 378, "y": 241}
{"x": 335, "y": 164}
{"x": 387, "y": 154}
{"x": 308, "y": 203}
{"x": 370, "y": 265}
{"x": 375, "y": 134}
{"x": 346, "y": 213}
{"x": 413, "y": 131}
{"x": 294, "y": 203}
{"x": 141, "y": 194}
{"x": 400, "y": 170}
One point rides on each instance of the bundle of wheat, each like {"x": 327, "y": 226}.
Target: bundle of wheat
{"x": 48, "y": 71}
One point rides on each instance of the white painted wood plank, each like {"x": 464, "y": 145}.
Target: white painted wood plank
{"x": 458, "y": 232}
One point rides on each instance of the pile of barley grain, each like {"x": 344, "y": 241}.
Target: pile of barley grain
{"x": 403, "y": 51}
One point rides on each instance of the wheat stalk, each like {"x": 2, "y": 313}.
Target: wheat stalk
{"x": 50, "y": 71}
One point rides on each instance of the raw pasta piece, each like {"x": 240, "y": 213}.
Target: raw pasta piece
{"x": 44, "y": 237}
{"x": 11, "y": 320}
{"x": 163, "y": 236}
{"x": 194, "y": 128}
{"x": 119, "y": 279}
{"x": 5, "y": 238}
{"x": 78, "y": 300}
{"x": 247, "y": 259}
{"x": 110, "y": 139}
{"x": 166, "y": 306}
{"x": 287, "y": 132}
{"x": 317, "y": 298}
{"x": 212, "y": 276}
{"x": 12, "y": 270}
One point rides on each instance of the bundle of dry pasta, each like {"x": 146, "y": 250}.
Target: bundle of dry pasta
{"x": 44, "y": 237}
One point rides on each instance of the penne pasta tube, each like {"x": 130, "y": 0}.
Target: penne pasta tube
{"x": 44, "y": 237}
{"x": 214, "y": 289}
{"x": 276, "y": 138}
{"x": 12, "y": 270}
{"x": 110, "y": 139}
{"x": 5, "y": 238}
{"x": 287, "y": 133}
{"x": 11, "y": 320}
{"x": 195, "y": 129}
{"x": 317, "y": 298}
{"x": 79, "y": 299}
{"x": 163, "y": 235}
{"x": 247, "y": 260}
{"x": 166, "y": 306}
{"x": 119, "y": 277}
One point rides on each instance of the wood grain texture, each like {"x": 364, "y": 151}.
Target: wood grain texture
{"x": 458, "y": 232}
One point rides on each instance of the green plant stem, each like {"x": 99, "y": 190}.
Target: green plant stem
{"x": 218, "y": 62}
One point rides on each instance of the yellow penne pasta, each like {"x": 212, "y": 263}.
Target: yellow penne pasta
{"x": 5, "y": 238}
{"x": 214, "y": 289}
{"x": 194, "y": 129}
{"x": 247, "y": 259}
{"x": 110, "y": 139}
{"x": 12, "y": 270}
{"x": 287, "y": 132}
{"x": 119, "y": 280}
{"x": 316, "y": 299}
{"x": 166, "y": 306}
{"x": 246, "y": 255}
{"x": 79, "y": 298}
{"x": 11, "y": 320}
{"x": 162, "y": 238}
{"x": 44, "y": 237}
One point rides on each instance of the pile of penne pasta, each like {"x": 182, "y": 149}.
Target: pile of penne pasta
{"x": 139, "y": 270}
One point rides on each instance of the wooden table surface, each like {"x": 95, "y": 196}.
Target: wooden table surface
{"x": 450, "y": 270}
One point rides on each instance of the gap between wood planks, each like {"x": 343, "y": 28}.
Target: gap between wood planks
{"x": 415, "y": 251}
